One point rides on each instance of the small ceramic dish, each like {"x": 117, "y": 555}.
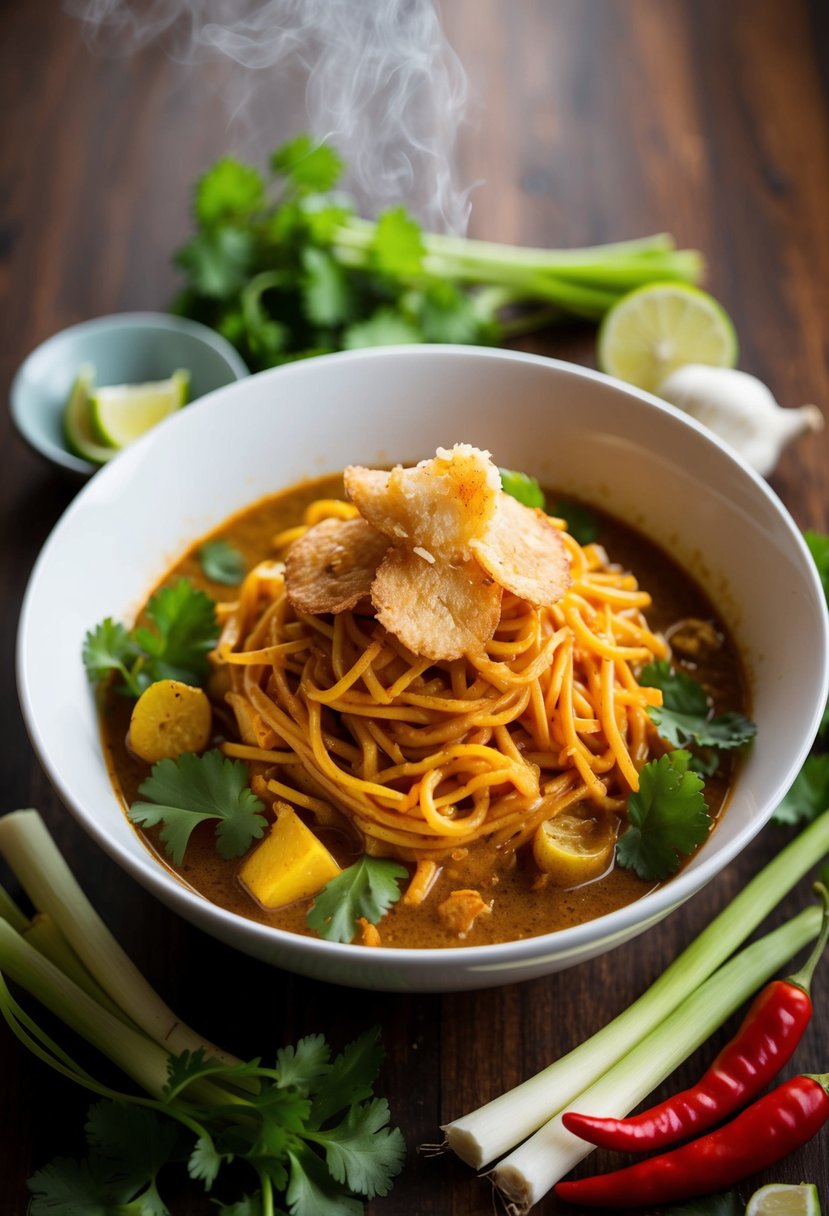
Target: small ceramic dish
{"x": 127, "y": 348}
{"x": 586, "y": 435}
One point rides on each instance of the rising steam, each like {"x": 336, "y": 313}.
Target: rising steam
{"x": 381, "y": 81}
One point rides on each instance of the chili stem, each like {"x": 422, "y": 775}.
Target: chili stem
{"x": 528, "y": 1173}
{"x": 803, "y": 976}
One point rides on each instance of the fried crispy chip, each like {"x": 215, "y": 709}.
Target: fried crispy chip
{"x": 332, "y": 566}
{"x": 524, "y": 553}
{"x": 439, "y": 506}
{"x": 438, "y": 610}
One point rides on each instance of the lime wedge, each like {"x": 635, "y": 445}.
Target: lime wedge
{"x": 654, "y": 330}
{"x": 77, "y": 428}
{"x": 121, "y": 413}
{"x": 781, "y": 1199}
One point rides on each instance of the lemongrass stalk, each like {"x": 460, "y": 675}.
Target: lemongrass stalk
{"x": 360, "y": 233}
{"x": 529, "y": 1172}
{"x": 31, "y": 852}
{"x": 495, "y": 1128}
{"x": 10, "y": 912}
{"x": 46, "y": 937}
{"x": 135, "y": 1054}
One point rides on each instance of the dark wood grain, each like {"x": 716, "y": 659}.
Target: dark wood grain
{"x": 590, "y": 120}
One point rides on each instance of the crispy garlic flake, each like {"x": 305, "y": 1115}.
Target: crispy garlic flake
{"x": 435, "y": 546}
{"x": 440, "y": 505}
{"x": 332, "y": 567}
{"x": 437, "y": 610}
{"x": 524, "y": 553}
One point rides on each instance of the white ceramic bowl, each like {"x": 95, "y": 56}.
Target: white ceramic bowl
{"x": 573, "y": 429}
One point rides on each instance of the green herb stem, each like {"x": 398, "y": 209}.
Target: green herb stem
{"x": 35, "y": 858}
{"x": 46, "y": 938}
{"x": 10, "y": 912}
{"x": 135, "y": 1054}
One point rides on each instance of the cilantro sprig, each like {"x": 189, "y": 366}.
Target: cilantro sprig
{"x": 311, "y": 1129}
{"x": 193, "y": 789}
{"x": 283, "y": 266}
{"x": 366, "y": 889}
{"x": 174, "y": 645}
{"x": 222, "y": 562}
{"x": 667, "y": 818}
{"x": 685, "y": 717}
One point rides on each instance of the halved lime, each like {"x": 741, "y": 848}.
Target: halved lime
{"x": 121, "y": 413}
{"x": 782, "y": 1199}
{"x": 77, "y": 428}
{"x": 655, "y": 329}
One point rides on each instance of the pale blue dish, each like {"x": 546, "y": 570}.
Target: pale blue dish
{"x": 127, "y": 348}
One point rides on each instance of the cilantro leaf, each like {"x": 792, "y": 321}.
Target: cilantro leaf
{"x": 107, "y": 648}
{"x": 304, "y": 1064}
{"x": 308, "y": 166}
{"x": 808, "y": 796}
{"x": 128, "y": 1145}
{"x": 368, "y": 888}
{"x": 133, "y": 1142}
{"x": 522, "y": 487}
{"x": 397, "y": 249}
{"x": 222, "y": 562}
{"x": 193, "y": 789}
{"x": 69, "y": 1188}
{"x": 582, "y": 524}
{"x": 684, "y": 716}
{"x": 362, "y": 1151}
{"x": 667, "y": 818}
{"x": 311, "y": 1191}
{"x": 384, "y": 328}
{"x": 446, "y": 314}
{"x": 204, "y": 1162}
{"x": 218, "y": 262}
{"x": 350, "y": 1077}
{"x": 185, "y": 630}
{"x": 248, "y": 1205}
{"x": 229, "y": 190}
{"x": 327, "y": 296}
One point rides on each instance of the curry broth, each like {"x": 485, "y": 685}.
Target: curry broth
{"x": 518, "y": 911}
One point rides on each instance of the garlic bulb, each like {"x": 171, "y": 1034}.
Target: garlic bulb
{"x": 740, "y": 409}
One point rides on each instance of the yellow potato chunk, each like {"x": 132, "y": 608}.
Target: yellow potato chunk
{"x": 289, "y": 864}
{"x": 170, "y": 718}
{"x": 574, "y": 849}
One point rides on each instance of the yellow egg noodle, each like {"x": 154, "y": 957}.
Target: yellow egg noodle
{"x": 424, "y": 757}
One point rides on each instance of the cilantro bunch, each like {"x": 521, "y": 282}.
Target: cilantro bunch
{"x": 310, "y": 1129}
{"x": 282, "y": 265}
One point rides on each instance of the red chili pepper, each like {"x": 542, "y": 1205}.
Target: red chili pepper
{"x": 770, "y": 1032}
{"x": 772, "y": 1127}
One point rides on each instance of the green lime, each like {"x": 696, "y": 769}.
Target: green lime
{"x": 121, "y": 413}
{"x": 781, "y": 1199}
{"x": 655, "y": 329}
{"x": 77, "y": 428}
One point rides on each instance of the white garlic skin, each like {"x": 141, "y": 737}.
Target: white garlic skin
{"x": 740, "y": 409}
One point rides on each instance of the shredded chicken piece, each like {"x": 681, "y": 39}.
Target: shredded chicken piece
{"x": 461, "y": 909}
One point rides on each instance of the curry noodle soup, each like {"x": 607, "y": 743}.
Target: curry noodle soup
{"x": 391, "y": 681}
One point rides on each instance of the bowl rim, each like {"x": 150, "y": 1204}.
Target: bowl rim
{"x": 139, "y": 320}
{"x": 604, "y": 931}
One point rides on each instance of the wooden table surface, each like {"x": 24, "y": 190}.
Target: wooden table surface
{"x": 589, "y": 120}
